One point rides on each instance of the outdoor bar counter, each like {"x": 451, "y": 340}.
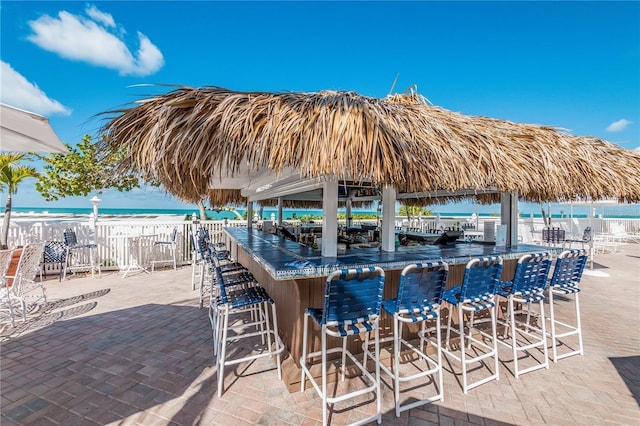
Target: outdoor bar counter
{"x": 295, "y": 275}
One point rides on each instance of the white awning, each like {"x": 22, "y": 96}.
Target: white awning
{"x": 24, "y": 131}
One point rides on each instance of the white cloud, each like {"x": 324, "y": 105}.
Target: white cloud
{"x": 99, "y": 16}
{"x": 619, "y": 125}
{"x": 16, "y": 90}
{"x": 95, "y": 41}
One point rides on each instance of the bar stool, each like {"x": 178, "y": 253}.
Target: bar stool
{"x": 209, "y": 258}
{"x": 235, "y": 281}
{"x": 564, "y": 282}
{"x": 418, "y": 300}
{"x": 527, "y": 287}
{"x": 352, "y": 303}
{"x": 476, "y": 294}
{"x": 171, "y": 244}
{"x": 230, "y": 298}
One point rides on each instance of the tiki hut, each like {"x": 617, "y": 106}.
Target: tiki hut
{"x": 194, "y": 139}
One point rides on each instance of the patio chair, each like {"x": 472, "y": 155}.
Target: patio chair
{"x": 171, "y": 245}
{"x": 5, "y": 294}
{"x": 526, "y": 288}
{"x": 55, "y": 253}
{"x": 553, "y": 236}
{"x": 476, "y": 295}
{"x": 418, "y": 301}
{"x": 565, "y": 282}
{"x": 25, "y": 290}
{"x": 352, "y": 304}
{"x": 72, "y": 245}
{"x": 586, "y": 239}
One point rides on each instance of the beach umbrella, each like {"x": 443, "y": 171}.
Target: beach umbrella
{"x": 192, "y": 139}
{"x": 24, "y": 131}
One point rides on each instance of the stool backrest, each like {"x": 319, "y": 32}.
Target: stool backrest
{"x": 70, "y": 238}
{"x": 353, "y": 296}
{"x": 203, "y": 233}
{"x": 481, "y": 279}
{"x": 421, "y": 286}
{"x": 532, "y": 272}
{"x": 203, "y": 247}
{"x": 569, "y": 267}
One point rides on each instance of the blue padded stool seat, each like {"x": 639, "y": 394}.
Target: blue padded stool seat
{"x": 453, "y": 296}
{"x": 413, "y": 316}
{"x": 359, "y": 325}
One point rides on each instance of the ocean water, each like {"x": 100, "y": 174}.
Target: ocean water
{"x": 625, "y": 212}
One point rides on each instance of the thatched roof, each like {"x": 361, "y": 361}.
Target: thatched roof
{"x": 190, "y": 135}
{"x": 224, "y": 197}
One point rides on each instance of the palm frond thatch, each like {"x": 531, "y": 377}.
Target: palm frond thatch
{"x": 189, "y": 136}
{"x": 225, "y": 197}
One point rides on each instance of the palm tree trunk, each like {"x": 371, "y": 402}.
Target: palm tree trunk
{"x": 203, "y": 214}
{"x": 5, "y": 223}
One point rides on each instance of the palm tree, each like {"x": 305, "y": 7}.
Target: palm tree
{"x": 414, "y": 211}
{"x": 12, "y": 172}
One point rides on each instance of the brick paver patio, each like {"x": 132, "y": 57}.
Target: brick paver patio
{"x": 138, "y": 351}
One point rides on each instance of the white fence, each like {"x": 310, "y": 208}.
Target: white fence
{"x": 113, "y": 251}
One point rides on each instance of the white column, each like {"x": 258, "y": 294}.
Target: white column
{"x": 509, "y": 216}
{"x": 388, "y": 231}
{"x": 348, "y": 213}
{"x": 95, "y": 201}
{"x": 330, "y": 218}
{"x": 280, "y": 211}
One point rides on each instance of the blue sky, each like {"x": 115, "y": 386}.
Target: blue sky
{"x": 574, "y": 65}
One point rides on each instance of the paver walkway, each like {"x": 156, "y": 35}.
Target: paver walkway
{"x": 138, "y": 351}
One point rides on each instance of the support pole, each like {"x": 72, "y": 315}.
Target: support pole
{"x": 509, "y": 216}
{"x": 388, "y": 230}
{"x": 330, "y": 218}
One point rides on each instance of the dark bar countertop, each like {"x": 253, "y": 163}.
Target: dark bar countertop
{"x": 284, "y": 259}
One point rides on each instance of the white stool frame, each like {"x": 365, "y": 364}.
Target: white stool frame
{"x": 467, "y": 340}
